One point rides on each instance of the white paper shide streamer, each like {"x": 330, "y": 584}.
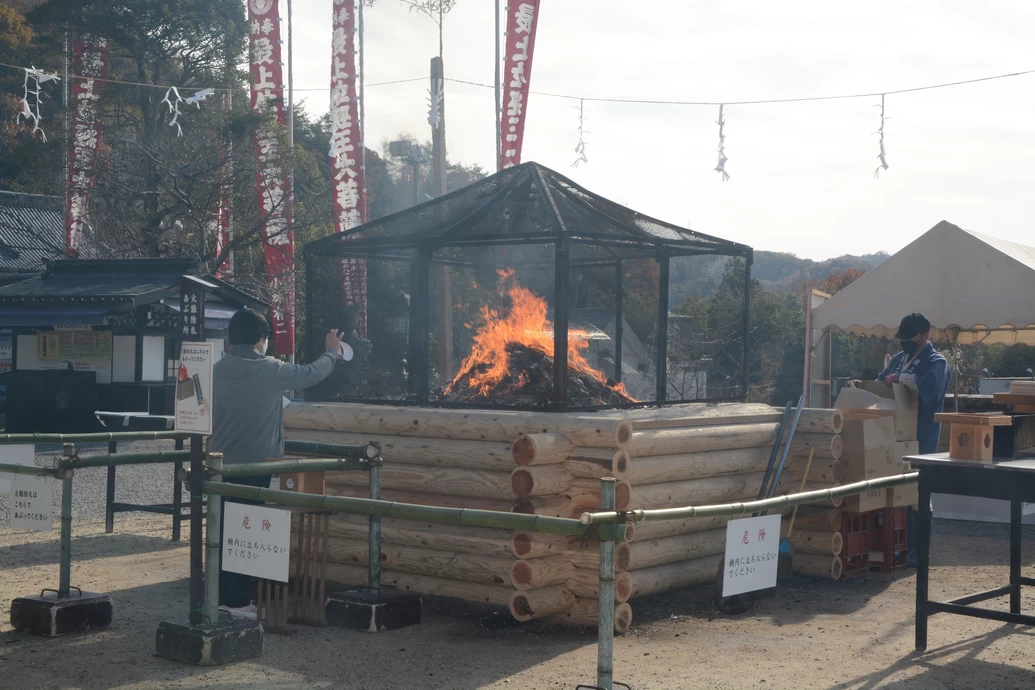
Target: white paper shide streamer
{"x": 174, "y": 104}
{"x": 580, "y": 147}
{"x": 882, "y": 156}
{"x": 31, "y": 111}
{"x": 721, "y": 167}
{"x": 435, "y": 104}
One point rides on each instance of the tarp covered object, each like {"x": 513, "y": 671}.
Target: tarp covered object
{"x": 979, "y": 286}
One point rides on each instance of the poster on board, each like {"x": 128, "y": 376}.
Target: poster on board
{"x": 194, "y": 389}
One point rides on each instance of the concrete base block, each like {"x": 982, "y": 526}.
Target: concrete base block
{"x": 371, "y": 610}
{"x": 225, "y": 643}
{"x": 51, "y": 615}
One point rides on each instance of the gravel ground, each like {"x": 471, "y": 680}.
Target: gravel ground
{"x": 141, "y": 484}
{"x": 808, "y": 634}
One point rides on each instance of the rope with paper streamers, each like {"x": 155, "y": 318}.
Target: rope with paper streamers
{"x": 174, "y": 104}
{"x": 31, "y": 111}
{"x": 721, "y": 167}
{"x": 580, "y": 147}
{"x": 882, "y": 156}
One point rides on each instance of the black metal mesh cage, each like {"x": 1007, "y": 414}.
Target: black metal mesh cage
{"x": 524, "y": 290}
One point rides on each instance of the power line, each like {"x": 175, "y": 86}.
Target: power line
{"x": 648, "y": 101}
{"x": 214, "y": 88}
{"x": 596, "y": 99}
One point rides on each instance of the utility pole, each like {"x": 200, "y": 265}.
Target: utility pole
{"x": 443, "y": 301}
{"x": 291, "y": 140}
{"x": 499, "y": 109}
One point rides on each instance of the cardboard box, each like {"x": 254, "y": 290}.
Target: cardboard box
{"x": 904, "y": 495}
{"x": 902, "y": 449}
{"x": 874, "y": 499}
{"x": 868, "y": 463}
{"x": 863, "y": 431}
{"x": 902, "y": 401}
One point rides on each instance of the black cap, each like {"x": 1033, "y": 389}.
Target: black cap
{"x": 911, "y": 326}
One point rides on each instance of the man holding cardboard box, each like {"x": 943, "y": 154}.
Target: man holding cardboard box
{"x": 923, "y": 370}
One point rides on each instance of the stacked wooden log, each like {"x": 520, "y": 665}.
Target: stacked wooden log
{"x": 551, "y": 464}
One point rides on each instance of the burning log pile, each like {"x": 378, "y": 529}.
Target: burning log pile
{"x": 529, "y": 383}
{"x": 551, "y": 464}
{"x": 512, "y": 364}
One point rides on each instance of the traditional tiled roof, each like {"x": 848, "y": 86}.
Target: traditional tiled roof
{"x": 32, "y": 230}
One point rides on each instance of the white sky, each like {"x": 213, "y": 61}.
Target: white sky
{"x": 802, "y": 174}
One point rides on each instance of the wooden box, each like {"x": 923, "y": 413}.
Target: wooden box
{"x": 971, "y": 435}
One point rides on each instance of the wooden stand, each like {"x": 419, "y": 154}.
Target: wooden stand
{"x": 970, "y": 437}
{"x": 304, "y": 605}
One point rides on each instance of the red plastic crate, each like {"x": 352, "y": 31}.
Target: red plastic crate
{"x": 888, "y": 536}
{"x": 855, "y": 552}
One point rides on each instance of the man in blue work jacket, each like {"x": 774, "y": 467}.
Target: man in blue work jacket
{"x": 920, "y": 368}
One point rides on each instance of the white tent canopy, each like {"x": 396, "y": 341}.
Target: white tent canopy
{"x": 977, "y": 287}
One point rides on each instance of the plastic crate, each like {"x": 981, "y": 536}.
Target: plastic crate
{"x": 888, "y": 540}
{"x": 855, "y": 553}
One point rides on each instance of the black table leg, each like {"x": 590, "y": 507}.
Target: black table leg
{"x": 109, "y": 497}
{"x": 923, "y": 562}
{"x": 1015, "y": 556}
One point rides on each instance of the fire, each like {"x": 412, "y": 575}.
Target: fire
{"x": 525, "y": 323}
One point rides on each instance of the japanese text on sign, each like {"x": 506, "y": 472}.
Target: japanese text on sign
{"x": 31, "y": 499}
{"x": 194, "y": 388}
{"x": 256, "y": 541}
{"x": 15, "y": 454}
{"x": 752, "y": 554}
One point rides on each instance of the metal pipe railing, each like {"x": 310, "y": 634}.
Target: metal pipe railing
{"x": 295, "y": 465}
{"x": 366, "y": 450}
{"x": 731, "y": 509}
{"x": 104, "y": 437}
{"x": 29, "y": 470}
{"x": 156, "y": 457}
{"x": 409, "y": 511}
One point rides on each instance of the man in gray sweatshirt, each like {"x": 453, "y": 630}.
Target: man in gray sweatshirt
{"x": 247, "y": 406}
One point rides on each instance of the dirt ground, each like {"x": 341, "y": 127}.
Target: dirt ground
{"x": 809, "y": 634}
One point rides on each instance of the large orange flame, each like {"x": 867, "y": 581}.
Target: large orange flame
{"x": 525, "y": 323}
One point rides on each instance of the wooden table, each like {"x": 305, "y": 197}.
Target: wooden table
{"x": 1007, "y": 480}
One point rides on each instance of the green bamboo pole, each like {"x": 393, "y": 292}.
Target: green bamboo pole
{"x": 409, "y": 511}
{"x": 105, "y": 437}
{"x": 367, "y": 450}
{"x": 213, "y": 545}
{"x": 257, "y": 469}
{"x": 65, "y": 563}
{"x": 117, "y": 459}
{"x": 606, "y": 597}
{"x": 374, "y": 532}
{"x": 29, "y": 470}
{"x": 731, "y": 509}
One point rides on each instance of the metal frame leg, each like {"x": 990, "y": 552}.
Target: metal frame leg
{"x": 923, "y": 545}
{"x": 1015, "y": 556}
{"x": 177, "y": 495}
{"x": 109, "y": 499}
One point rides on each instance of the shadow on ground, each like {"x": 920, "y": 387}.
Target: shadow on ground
{"x": 423, "y": 657}
{"x": 84, "y": 548}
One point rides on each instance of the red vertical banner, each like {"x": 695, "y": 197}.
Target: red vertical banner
{"x": 271, "y": 175}
{"x": 89, "y": 63}
{"x": 350, "y": 203}
{"x": 224, "y": 211}
{"x": 522, "y": 18}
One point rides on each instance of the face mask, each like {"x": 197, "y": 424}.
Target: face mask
{"x": 909, "y": 346}
{"x": 261, "y": 349}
